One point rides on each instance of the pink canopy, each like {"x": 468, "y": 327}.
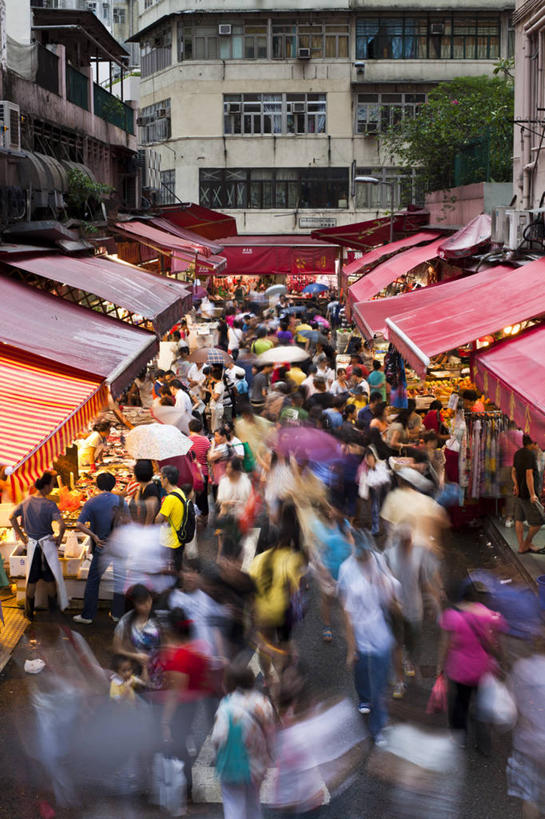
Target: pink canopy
{"x": 451, "y": 321}
{"x": 370, "y": 316}
{"x": 376, "y": 255}
{"x": 512, "y": 374}
{"x": 387, "y": 272}
{"x": 469, "y": 239}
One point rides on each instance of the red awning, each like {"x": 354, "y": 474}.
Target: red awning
{"x": 469, "y": 240}
{"x": 370, "y": 316}
{"x": 73, "y": 336}
{"x": 490, "y": 306}
{"x": 43, "y": 407}
{"x": 183, "y": 256}
{"x": 376, "y": 255}
{"x": 203, "y": 246}
{"x": 369, "y": 234}
{"x": 144, "y": 296}
{"x": 280, "y": 255}
{"x": 387, "y": 272}
{"x": 512, "y": 374}
{"x": 206, "y": 222}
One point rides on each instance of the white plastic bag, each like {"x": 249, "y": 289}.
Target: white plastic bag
{"x": 495, "y": 703}
{"x": 169, "y": 784}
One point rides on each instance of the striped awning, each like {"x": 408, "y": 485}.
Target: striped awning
{"x": 43, "y": 407}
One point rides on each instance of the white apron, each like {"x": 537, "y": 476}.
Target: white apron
{"x": 49, "y": 549}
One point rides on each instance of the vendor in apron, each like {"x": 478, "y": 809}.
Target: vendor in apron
{"x": 31, "y": 521}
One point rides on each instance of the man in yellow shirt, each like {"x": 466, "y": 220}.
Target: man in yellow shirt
{"x": 171, "y": 513}
{"x": 300, "y": 327}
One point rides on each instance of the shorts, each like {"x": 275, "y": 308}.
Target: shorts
{"x": 526, "y": 511}
{"x": 40, "y": 570}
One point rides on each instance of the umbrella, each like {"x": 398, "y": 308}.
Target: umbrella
{"x": 309, "y": 443}
{"x": 297, "y": 308}
{"x": 210, "y": 355}
{"x": 321, "y": 320}
{"x": 282, "y": 355}
{"x": 315, "y": 288}
{"x": 157, "y": 442}
{"x": 276, "y": 290}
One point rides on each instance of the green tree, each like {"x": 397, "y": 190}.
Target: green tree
{"x": 467, "y": 117}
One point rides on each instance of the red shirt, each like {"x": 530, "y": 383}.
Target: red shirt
{"x": 187, "y": 659}
{"x": 201, "y": 445}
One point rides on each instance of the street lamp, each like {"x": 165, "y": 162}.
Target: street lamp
{"x": 372, "y": 180}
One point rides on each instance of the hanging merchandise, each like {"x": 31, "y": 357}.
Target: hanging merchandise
{"x": 394, "y": 371}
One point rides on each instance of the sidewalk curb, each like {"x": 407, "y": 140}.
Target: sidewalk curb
{"x": 497, "y": 538}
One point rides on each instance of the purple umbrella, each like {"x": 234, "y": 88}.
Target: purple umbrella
{"x": 307, "y": 443}
{"x": 321, "y": 320}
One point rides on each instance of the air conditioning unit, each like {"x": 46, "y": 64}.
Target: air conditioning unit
{"x": 517, "y": 222}
{"x": 161, "y": 113}
{"x": 232, "y": 108}
{"x": 298, "y": 107}
{"x": 10, "y": 125}
{"x": 437, "y": 29}
{"x": 141, "y": 121}
{"x": 303, "y": 53}
{"x": 225, "y": 29}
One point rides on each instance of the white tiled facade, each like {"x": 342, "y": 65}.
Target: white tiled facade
{"x": 268, "y": 112}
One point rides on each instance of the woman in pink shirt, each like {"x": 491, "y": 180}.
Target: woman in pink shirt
{"x": 468, "y": 650}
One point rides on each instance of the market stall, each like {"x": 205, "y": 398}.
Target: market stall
{"x": 130, "y": 293}
{"x": 211, "y": 224}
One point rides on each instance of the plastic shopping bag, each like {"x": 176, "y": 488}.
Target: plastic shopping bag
{"x": 438, "y": 697}
{"x": 169, "y": 784}
{"x": 495, "y": 703}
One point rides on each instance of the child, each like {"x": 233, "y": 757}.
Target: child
{"x": 123, "y": 680}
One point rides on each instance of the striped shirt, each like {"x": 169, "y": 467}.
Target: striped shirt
{"x": 201, "y": 445}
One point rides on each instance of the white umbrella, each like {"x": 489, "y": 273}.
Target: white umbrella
{"x": 157, "y": 442}
{"x": 282, "y": 355}
{"x": 276, "y": 290}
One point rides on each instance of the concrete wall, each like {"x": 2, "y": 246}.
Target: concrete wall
{"x": 18, "y": 20}
{"x": 457, "y": 206}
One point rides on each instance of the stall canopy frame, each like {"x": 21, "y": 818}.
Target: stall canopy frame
{"x": 367, "y": 235}
{"x": 83, "y": 340}
{"x": 279, "y": 255}
{"x": 211, "y": 224}
{"x": 128, "y": 293}
{"x": 378, "y": 254}
{"x": 387, "y": 272}
{"x": 43, "y": 407}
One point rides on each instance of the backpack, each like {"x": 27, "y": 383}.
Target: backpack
{"x": 186, "y": 531}
{"x": 232, "y": 762}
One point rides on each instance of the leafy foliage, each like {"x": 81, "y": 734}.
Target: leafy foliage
{"x": 459, "y": 114}
{"x": 83, "y": 192}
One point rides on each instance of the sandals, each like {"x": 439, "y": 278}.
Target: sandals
{"x": 327, "y": 635}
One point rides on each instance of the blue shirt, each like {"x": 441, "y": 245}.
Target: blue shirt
{"x": 98, "y": 513}
{"x": 365, "y": 416}
{"x": 335, "y": 418}
{"x": 241, "y": 386}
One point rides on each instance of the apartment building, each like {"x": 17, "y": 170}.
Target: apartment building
{"x": 269, "y": 110}
{"x": 54, "y": 115}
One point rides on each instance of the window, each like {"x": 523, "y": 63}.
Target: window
{"x": 329, "y": 40}
{"x": 120, "y": 16}
{"x": 274, "y": 113}
{"x": 378, "y": 197}
{"x": 260, "y": 188}
{"x": 376, "y": 113}
{"x": 434, "y": 36}
{"x": 248, "y": 40}
{"x": 155, "y": 121}
{"x": 92, "y": 7}
{"x": 157, "y": 51}
{"x": 105, "y": 9}
{"x": 167, "y": 193}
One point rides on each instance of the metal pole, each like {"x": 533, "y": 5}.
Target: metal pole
{"x": 392, "y": 192}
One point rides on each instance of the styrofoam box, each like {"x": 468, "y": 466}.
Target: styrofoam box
{"x": 17, "y": 561}
{"x": 6, "y": 548}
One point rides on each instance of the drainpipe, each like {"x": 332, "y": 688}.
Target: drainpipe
{"x": 526, "y": 135}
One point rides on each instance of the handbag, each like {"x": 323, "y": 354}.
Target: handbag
{"x": 249, "y": 462}
{"x": 495, "y": 703}
{"x": 169, "y": 784}
{"x": 196, "y": 473}
{"x": 437, "y": 702}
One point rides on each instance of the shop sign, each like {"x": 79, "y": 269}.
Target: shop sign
{"x": 314, "y": 222}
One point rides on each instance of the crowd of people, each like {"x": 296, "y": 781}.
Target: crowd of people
{"x": 303, "y": 483}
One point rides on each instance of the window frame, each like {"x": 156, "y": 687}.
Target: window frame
{"x": 288, "y": 121}
{"x": 425, "y": 45}
{"x": 161, "y": 128}
{"x": 274, "y": 188}
{"x": 167, "y": 195}
{"x": 385, "y": 109}
{"x": 378, "y": 197}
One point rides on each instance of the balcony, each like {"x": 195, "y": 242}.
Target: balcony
{"x": 47, "y": 70}
{"x": 113, "y": 110}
